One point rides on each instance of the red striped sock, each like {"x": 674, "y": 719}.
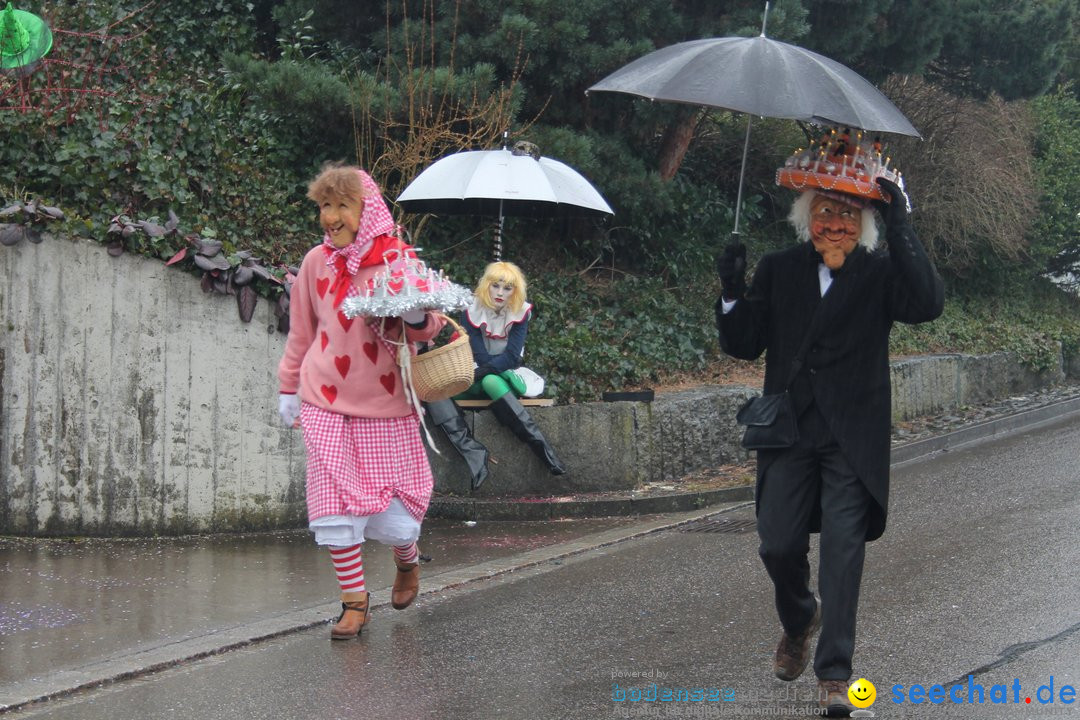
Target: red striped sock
{"x": 349, "y": 566}
{"x": 406, "y": 554}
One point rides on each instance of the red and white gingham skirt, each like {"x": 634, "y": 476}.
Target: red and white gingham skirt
{"x": 356, "y": 465}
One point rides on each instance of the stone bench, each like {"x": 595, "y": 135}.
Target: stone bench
{"x": 480, "y": 404}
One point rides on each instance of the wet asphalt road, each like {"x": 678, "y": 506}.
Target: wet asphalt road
{"x": 976, "y": 575}
{"x": 66, "y": 603}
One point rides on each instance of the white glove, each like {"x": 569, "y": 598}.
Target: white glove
{"x": 289, "y": 409}
{"x": 414, "y": 317}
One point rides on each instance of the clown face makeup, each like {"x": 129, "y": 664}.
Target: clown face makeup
{"x": 340, "y": 218}
{"x": 835, "y": 228}
{"x": 499, "y": 293}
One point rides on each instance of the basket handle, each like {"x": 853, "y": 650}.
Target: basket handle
{"x": 454, "y": 323}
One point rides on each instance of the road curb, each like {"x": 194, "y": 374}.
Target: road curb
{"x": 528, "y": 510}
{"x": 963, "y": 436}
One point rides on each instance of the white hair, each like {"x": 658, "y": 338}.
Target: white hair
{"x": 799, "y": 217}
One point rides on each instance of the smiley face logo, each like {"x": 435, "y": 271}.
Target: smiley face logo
{"x": 862, "y": 693}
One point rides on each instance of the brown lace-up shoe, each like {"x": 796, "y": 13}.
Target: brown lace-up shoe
{"x": 833, "y": 698}
{"x": 793, "y": 653}
{"x": 353, "y": 617}
{"x": 406, "y": 586}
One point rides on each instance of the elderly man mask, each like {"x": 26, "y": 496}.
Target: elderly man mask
{"x": 835, "y": 228}
{"x": 834, "y": 224}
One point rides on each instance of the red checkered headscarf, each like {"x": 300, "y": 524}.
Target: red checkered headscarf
{"x": 376, "y": 235}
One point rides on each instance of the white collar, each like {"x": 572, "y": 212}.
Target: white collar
{"x": 497, "y": 322}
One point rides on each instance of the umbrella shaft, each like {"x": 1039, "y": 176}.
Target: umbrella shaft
{"x": 498, "y": 234}
{"x": 742, "y": 171}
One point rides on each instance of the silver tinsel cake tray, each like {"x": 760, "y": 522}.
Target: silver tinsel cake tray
{"x": 406, "y": 284}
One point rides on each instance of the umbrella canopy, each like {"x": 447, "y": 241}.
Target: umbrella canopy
{"x": 499, "y": 182}
{"x": 759, "y": 76}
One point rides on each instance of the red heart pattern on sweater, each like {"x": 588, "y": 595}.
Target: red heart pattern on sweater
{"x": 325, "y": 339}
{"x": 346, "y": 323}
{"x": 321, "y": 286}
{"x": 372, "y": 351}
{"x": 342, "y": 362}
{"x": 329, "y": 392}
{"x": 387, "y": 381}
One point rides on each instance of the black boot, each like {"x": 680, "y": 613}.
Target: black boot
{"x": 513, "y": 415}
{"x": 447, "y": 415}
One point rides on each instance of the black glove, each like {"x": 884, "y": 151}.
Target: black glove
{"x": 731, "y": 267}
{"x": 894, "y": 212}
{"x": 482, "y": 372}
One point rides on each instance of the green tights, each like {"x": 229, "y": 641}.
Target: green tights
{"x": 494, "y": 386}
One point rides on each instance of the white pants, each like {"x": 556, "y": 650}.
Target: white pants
{"x": 393, "y": 526}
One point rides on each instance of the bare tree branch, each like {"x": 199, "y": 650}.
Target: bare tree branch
{"x": 971, "y": 180}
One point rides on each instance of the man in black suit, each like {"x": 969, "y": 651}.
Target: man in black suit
{"x": 840, "y": 291}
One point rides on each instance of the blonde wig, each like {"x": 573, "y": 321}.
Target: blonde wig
{"x": 799, "y": 217}
{"x": 506, "y": 273}
{"x": 336, "y": 181}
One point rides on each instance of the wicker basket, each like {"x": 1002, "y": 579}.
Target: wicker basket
{"x": 445, "y": 371}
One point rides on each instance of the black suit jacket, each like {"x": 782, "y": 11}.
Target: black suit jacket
{"x": 847, "y": 364}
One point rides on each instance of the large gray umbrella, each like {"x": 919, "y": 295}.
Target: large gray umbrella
{"x": 759, "y": 76}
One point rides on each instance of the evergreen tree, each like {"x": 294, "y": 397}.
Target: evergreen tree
{"x": 545, "y": 53}
{"x": 1013, "y": 49}
{"x": 879, "y": 38}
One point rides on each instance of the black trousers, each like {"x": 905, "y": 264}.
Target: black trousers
{"x": 809, "y": 476}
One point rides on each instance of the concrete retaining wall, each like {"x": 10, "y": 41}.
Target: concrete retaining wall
{"x": 606, "y": 446}
{"x": 929, "y": 384}
{"x": 691, "y": 430}
{"x": 132, "y": 403}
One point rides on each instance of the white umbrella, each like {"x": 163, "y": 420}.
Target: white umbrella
{"x": 500, "y": 183}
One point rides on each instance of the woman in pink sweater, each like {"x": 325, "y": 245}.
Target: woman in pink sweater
{"x": 367, "y": 472}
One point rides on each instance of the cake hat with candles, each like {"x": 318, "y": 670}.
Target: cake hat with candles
{"x": 843, "y": 164}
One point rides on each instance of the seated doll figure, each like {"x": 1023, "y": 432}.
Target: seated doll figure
{"x": 497, "y": 323}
